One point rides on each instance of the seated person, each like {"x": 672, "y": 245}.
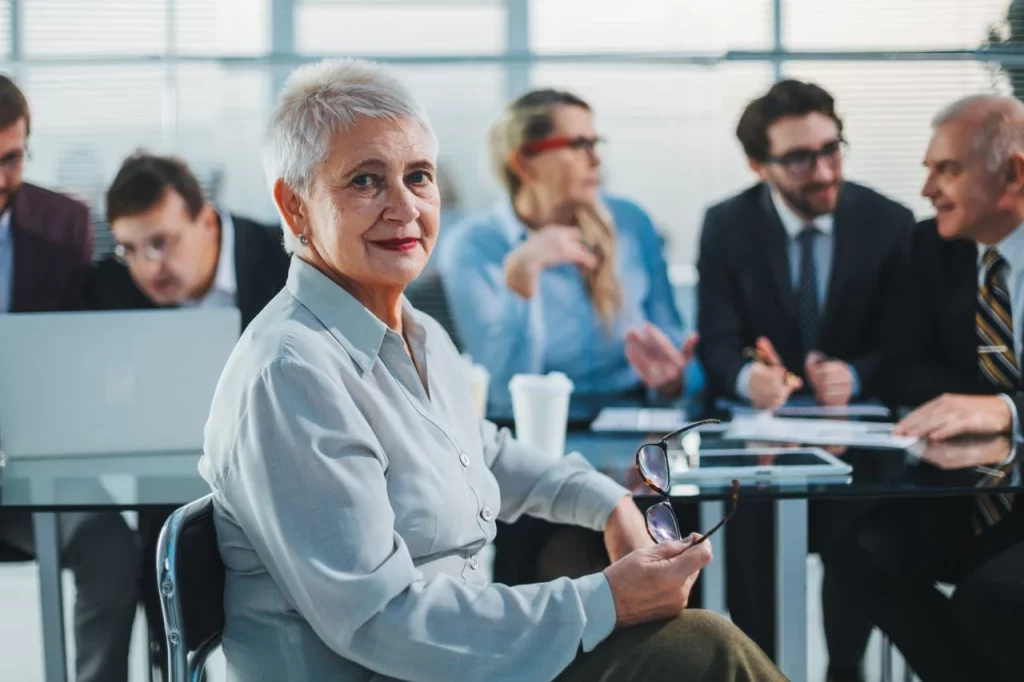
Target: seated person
{"x": 174, "y": 248}
{"x": 353, "y": 485}
{"x": 956, "y": 348}
{"x": 46, "y": 242}
{"x": 558, "y": 277}
{"x": 799, "y": 266}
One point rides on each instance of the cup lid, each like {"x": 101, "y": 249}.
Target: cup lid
{"x": 552, "y": 381}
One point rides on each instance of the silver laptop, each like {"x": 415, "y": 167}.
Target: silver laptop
{"x": 110, "y": 382}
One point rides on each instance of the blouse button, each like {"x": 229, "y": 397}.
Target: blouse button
{"x": 474, "y": 562}
{"x": 487, "y": 514}
{"x": 464, "y": 458}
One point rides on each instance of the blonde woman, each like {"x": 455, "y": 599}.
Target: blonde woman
{"x": 559, "y": 277}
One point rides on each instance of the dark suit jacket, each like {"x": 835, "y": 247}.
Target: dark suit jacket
{"x": 261, "y": 269}
{"x": 52, "y": 238}
{"x": 745, "y": 291}
{"x": 934, "y": 346}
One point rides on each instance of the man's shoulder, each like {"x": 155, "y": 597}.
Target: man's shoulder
{"x": 866, "y": 199}
{"x": 748, "y": 201}
{"x": 44, "y": 200}
{"x": 109, "y": 286}
{"x": 736, "y": 214}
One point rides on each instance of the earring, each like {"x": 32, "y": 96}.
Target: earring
{"x": 303, "y": 240}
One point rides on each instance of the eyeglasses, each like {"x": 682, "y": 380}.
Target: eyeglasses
{"x": 157, "y": 248}
{"x": 551, "y": 143}
{"x": 652, "y": 463}
{"x": 800, "y": 164}
{"x": 13, "y": 160}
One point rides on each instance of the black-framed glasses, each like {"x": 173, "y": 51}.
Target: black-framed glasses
{"x": 653, "y": 464}
{"x": 800, "y": 164}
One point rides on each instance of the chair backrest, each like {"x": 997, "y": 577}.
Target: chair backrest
{"x": 427, "y": 295}
{"x": 190, "y": 575}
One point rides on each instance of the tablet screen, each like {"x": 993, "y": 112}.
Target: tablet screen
{"x": 709, "y": 460}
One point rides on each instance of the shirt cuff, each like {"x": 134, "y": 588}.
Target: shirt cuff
{"x": 596, "y": 497}
{"x": 855, "y": 387}
{"x": 1015, "y": 421}
{"x": 599, "y": 608}
{"x": 743, "y": 381}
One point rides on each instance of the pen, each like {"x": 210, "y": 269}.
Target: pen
{"x": 758, "y": 356}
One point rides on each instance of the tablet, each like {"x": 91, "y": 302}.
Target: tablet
{"x": 762, "y": 465}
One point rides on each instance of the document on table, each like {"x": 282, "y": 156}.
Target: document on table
{"x": 814, "y": 410}
{"x": 773, "y": 429}
{"x": 639, "y": 419}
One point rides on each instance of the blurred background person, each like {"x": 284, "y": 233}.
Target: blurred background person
{"x": 957, "y": 349}
{"x": 558, "y": 277}
{"x": 45, "y": 251}
{"x": 174, "y": 248}
{"x": 800, "y": 266}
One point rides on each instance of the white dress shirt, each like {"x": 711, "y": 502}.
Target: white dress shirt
{"x": 6, "y": 262}
{"x": 351, "y": 504}
{"x": 224, "y": 291}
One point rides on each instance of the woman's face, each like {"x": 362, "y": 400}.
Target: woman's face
{"x": 373, "y": 212}
{"x": 569, "y": 175}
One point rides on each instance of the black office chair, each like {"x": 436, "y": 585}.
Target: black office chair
{"x": 190, "y": 576}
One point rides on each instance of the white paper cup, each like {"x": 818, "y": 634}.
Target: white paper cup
{"x": 479, "y": 383}
{"x": 540, "y": 407}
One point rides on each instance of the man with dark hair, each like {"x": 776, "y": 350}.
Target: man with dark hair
{"x": 175, "y": 249}
{"x": 45, "y": 252}
{"x": 799, "y": 268}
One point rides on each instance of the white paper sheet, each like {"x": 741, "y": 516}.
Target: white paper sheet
{"x": 861, "y": 410}
{"x": 639, "y": 419}
{"x": 773, "y": 429}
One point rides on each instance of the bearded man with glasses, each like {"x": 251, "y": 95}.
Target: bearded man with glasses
{"x": 795, "y": 275}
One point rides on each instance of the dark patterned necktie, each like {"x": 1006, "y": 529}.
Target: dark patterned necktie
{"x": 997, "y": 357}
{"x": 807, "y": 290}
{"x": 997, "y": 360}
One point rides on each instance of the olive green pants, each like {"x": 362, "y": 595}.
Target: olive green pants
{"x": 698, "y": 645}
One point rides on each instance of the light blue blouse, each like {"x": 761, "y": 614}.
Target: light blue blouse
{"x": 351, "y": 503}
{"x": 558, "y": 329}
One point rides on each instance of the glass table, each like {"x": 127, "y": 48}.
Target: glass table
{"x": 133, "y": 482}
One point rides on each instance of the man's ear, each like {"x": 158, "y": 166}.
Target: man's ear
{"x": 292, "y": 208}
{"x": 760, "y": 169}
{"x": 1015, "y": 174}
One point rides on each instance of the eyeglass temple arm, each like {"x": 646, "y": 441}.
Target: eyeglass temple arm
{"x": 690, "y": 427}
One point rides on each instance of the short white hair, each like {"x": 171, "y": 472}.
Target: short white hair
{"x": 1001, "y": 125}
{"x": 318, "y": 100}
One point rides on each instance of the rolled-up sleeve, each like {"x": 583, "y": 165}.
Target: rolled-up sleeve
{"x": 305, "y": 480}
{"x": 566, "y": 490}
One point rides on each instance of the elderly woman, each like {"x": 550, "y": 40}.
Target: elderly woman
{"x": 559, "y": 277}
{"x": 353, "y": 486}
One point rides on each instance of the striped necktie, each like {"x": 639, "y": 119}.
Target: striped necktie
{"x": 997, "y": 356}
{"x": 997, "y": 360}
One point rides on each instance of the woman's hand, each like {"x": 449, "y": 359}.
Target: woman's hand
{"x": 659, "y": 363}
{"x": 625, "y": 530}
{"x": 544, "y": 248}
{"x": 655, "y": 583}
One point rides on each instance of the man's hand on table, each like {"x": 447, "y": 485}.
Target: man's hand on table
{"x": 952, "y": 415}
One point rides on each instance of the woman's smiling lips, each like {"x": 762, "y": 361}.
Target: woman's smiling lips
{"x": 405, "y": 244}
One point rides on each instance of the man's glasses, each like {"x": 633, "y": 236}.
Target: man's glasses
{"x": 652, "y": 463}
{"x": 800, "y": 164}
{"x": 551, "y": 143}
{"x": 12, "y": 161}
{"x": 157, "y": 248}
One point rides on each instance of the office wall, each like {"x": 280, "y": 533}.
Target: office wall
{"x": 667, "y": 79}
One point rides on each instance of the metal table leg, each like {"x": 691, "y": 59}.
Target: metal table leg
{"x": 791, "y": 587}
{"x": 47, "y": 539}
{"x": 713, "y": 575}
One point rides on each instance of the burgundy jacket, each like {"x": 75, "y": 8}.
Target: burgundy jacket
{"x": 52, "y": 238}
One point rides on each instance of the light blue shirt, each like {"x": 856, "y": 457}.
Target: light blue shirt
{"x": 558, "y": 329}
{"x": 822, "y": 256}
{"x": 1012, "y": 251}
{"x": 6, "y": 262}
{"x": 353, "y": 491}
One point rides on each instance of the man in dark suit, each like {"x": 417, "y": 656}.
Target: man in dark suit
{"x": 175, "y": 249}
{"x": 956, "y": 349}
{"x": 798, "y": 267}
{"x": 45, "y": 252}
